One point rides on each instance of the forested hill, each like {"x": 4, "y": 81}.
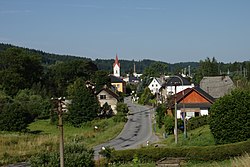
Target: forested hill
{"x": 127, "y": 66}
{"x": 47, "y": 58}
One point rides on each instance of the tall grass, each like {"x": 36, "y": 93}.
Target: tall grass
{"x": 197, "y": 137}
{"x": 16, "y": 147}
{"x": 243, "y": 161}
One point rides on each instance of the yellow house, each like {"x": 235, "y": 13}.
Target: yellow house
{"x": 118, "y": 83}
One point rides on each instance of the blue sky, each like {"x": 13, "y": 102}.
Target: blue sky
{"x": 166, "y": 30}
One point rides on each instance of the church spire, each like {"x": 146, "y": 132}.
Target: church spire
{"x": 116, "y": 61}
{"x": 116, "y": 67}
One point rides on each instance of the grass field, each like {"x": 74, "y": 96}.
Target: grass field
{"x": 16, "y": 147}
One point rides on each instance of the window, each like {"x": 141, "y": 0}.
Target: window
{"x": 152, "y": 85}
{"x": 102, "y": 96}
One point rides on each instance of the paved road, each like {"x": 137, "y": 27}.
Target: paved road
{"x": 137, "y": 131}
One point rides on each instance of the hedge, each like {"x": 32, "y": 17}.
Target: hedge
{"x": 196, "y": 122}
{"x": 152, "y": 154}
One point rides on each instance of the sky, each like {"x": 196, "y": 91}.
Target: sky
{"x": 164, "y": 30}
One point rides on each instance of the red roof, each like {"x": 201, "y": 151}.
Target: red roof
{"x": 186, "y": 92}
{"x": 116, "y": 61}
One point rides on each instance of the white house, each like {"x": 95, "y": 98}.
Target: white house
{"x": 178, "y": 82}
{"x": 155, "y": 85}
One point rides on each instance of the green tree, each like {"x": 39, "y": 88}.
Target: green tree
{"x": 37, "y": 105}
{"x": 100, "y": 79}
{"x": 229, "y": 117}
{"x": 208, "y": 67}
{"x": 169, "y": 124}
{"x": 84, "y": 104}
{"x": 122, "y": 110}
{"x": 146, "y": 96}
{"x": 156, "y": 69}
{"x": 19, "y": 69}
{"x": 160, "y": 114}
{"x": 62, "y": 74}
{"x": 15, "y": 117}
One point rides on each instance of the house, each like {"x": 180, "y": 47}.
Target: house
{"x": 217, "y": 86}
{"x": 118, "y": 83}
{"x": 155, "y": 85}
{"x": 192, "y": 101}
{"x": 106, "y": 95}
{"x": 177, "y": 82}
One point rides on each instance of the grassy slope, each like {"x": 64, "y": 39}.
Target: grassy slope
{"x": 18, "y": 146}
{"x": 197, "y": 137}
{"x": 203, "y": 137}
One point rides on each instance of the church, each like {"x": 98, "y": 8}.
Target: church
{"x": 116, "y": 79}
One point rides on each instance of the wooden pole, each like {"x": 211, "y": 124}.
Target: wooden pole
{"x": 61, "y": 140}
{"x": 175, "y": 118}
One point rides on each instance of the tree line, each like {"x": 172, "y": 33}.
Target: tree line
{"x": 27, "y": 85}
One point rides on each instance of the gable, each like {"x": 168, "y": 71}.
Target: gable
{"x": 154, "y": 83}
{"x": 194, "y": 97}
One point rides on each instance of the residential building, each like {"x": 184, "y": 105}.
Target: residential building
{"x": 172, "y": 83}
{"x": 217, "y": 86}
{"x": 106, "y": 95}
{"x": 192, "y": 102}
{"x": 118, "y": 83}
{"x": 155, "y": 85}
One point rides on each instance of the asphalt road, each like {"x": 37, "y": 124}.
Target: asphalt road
{"x": 137, "y": 131}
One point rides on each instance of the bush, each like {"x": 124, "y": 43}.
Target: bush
{"x": 122, "y": 110}
{"x": 74, "y": 155}
{"x": 160, "y": 114}
{"x": 15, "y": 117}
{"x": 169, "y": 124}
{"x": 229, "y": 118}
{"x": 196, "y": 122}
{"x": 207, "y": 153}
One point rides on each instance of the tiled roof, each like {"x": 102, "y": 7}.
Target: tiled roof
{"x": 183, "y": 94}
{"x": 217, "y": 86}
{"x": 186, "y": 92}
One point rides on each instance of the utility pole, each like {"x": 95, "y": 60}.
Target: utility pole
{"x": 175, "y": 116}
{"x": 59, "y": 102}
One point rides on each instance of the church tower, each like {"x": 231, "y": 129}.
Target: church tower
{"x": 116, "y": 67}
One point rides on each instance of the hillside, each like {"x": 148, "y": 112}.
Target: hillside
{"x": 102, "y": 64}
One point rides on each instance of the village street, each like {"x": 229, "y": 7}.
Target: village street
{"x": 137, "y": 131}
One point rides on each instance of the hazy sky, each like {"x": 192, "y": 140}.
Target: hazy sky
{"x": 165, "y": 30}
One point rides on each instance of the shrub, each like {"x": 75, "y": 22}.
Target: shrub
{"x": 229, "y": 118}
{"x": 219, "y": 152}
{"x": 122, "y": 110}
{"x": 160, "y": 113}
{"x": 74, "y": 155}
{"x": 15, "y": 117}
{"x": 169, "y": 124}
{"x": 196, "y": 122}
